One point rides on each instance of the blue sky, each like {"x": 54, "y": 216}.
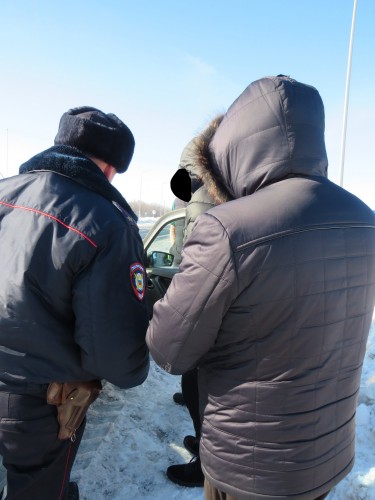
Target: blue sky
{"x": 166, "y": 67}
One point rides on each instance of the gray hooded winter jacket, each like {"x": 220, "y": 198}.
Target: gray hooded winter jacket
{"x": 273, "y": 302}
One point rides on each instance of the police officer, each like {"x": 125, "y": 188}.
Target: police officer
{"x": 71, "y": 294}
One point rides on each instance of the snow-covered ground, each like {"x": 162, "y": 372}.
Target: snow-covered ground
{"x": 133, "y": 436}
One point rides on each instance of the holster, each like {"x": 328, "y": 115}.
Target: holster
{"x": 72, "y": 400}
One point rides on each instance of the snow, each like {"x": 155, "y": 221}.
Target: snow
{"x": 132, "y": 436}
{"x": 142, "y": 435}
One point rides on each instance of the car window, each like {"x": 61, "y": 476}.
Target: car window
{"x": 164, "y": 242}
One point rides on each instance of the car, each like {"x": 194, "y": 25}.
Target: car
{"x": 160, "y": 264}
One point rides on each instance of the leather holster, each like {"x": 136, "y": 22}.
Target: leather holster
{"x": 72, "y": 400}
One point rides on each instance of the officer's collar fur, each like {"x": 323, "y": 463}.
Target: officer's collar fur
{"x": 202, "y": 161}
{"x": 71, "y": 162}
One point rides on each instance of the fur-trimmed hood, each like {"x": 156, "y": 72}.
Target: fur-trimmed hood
{"x": 196, "y": 162}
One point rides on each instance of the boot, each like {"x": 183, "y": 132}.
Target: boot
{"x": 189, "y": 475}
{"x": 191, "y": 443}
{"x": 73, "y": 492}
{"x": 179, "y": 398}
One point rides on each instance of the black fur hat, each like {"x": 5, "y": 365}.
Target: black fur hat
{"x": 97, "y": 134}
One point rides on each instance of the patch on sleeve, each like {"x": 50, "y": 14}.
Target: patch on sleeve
{"x": 138, "y": 279}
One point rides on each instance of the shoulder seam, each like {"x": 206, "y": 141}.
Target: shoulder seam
{"x": 265, "y": 239}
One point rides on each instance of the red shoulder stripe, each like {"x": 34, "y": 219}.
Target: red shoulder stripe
{"x": 51, "y": 217}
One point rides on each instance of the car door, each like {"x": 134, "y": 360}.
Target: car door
{"x": 160, "y": 262}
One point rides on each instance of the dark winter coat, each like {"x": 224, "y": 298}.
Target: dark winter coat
{"x": 199, "y": 204}
{"x": 204, "y": 190}
{"x": 200, "y": 201}
{"x": 273, "y": 302}
{"x": 176, "y": 248}
{"x": 69, "y": 304}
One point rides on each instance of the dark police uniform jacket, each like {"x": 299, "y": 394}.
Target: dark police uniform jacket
{"x": 72, "y": 280}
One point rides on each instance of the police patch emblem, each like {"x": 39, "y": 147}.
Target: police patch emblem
{"x": 138, "y": 279}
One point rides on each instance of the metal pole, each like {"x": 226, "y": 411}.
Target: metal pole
{"x": 345, "y": 120}
{"x": 7, "y": 157}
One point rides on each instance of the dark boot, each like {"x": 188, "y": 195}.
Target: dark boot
{"x": 73, "y": 492}
{"x": 179, "y": 398}
{"x": 187, "y": 474}
{"x": 191, "y": 443}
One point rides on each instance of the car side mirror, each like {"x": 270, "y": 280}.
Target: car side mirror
{"x": 159, "y": 259}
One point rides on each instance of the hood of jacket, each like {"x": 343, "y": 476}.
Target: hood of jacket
{"x": 273, "y": 130}
{"x": 187, "y": 162}
{"x": 195, "y": 160}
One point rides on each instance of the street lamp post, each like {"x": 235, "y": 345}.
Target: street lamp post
{"x": 346, "y": 102}
{"x": 7, "y": 157}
